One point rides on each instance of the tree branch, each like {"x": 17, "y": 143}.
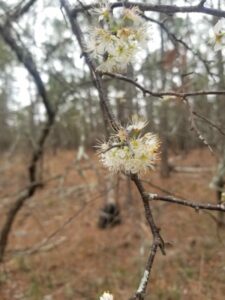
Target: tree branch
{"x": 202, "y": 2}
{"x": 97, "y": 81}
{"x": 176, "y": 41}
{"x": 141, "y": 291}
{"x": 189, "y": 203}
{"x": 157, "y": 239}
{"x": 166, "y": 9}
{"x": 26, "y": 59}
{"x": 162, "y": 94}
{"x": 20, "y": 10}
{"x": 203, "y": 118}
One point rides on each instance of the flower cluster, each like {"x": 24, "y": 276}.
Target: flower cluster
{"x": 219, "y": 31}
{"x": 106, "y": 296}
{"x": 117, "y": 40}
{"x": 129, "y": 150}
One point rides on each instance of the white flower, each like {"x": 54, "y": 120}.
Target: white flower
{"x": 106, "y": 296}
{"x": 117, "y": 58}
{"x": 128, "y": 151}
{"x": 133, "y": 15}
{"x": 137, "y": 125}
{"x": 109, "y": 65}
{"x": 142, "y": 35}
{"x": 219, "y": 31}
{"x": 117, "y": 41}
{"x": 103, "y": 10}
{"x": 102, "y": 41}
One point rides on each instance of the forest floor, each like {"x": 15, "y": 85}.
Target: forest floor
{"x": 57, "y": 252}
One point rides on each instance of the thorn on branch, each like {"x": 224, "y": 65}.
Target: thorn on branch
{"x": 197, "y": 209}
{"x": 202, "y": 2}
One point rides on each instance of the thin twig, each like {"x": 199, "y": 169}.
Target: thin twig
{"x": 176, "y": 41}
{"x": 166, "y": 9}
{"x": 158, "y": 241}
{"x": 97, "y": 81}
{"x": 166, "y": 93}
{"x": 200, "y": 116}
{"x": 195, "y": 127}
{"x": 26, "y": 59}
{"x": 189, "y": 203}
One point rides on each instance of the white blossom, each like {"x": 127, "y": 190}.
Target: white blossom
{"x": 137, "y": 125}
{"x": 118, "y": 39}
{"x": 133, "y": 15}
{"x": 106, "y": 296}
{"x": 219, "y": 32}
{"x": 129, "y": 150}
{"x": 103, "y": 11}
{"x": 102, "y": 41}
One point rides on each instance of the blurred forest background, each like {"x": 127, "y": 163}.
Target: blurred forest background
{"x": 56, "y": 247}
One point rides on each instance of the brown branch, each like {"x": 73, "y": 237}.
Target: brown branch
{"x": 162, "y": 94}
{"x": 166, "y": 9}
{"x": 20, "y": 10}
{"x": 176, "y": 41}
{"x": 157, "y": 239}
{"x": 26, "y": 59}
{"x": 197, "y": 114}
{"x": 155, "y": 186}
{"x": 148, "y": 213}
{"x": 182, "y": 96}
{"x": 19, "y": 202}
{"x": 141, "y": 291}
{"x": 17, "y": 11}
{"x": 97, "y": 81}
{"x": 202, "y": 2}
{"x": 189, "y": 203}
{"x": 195, "y": 127}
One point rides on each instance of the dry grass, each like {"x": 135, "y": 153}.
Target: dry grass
{"x": 81, "y": 261}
